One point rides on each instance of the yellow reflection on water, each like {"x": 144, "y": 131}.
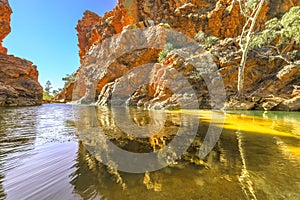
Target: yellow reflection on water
{"x": 268, "y": 124}
{"x": 247, "y": 123}
{"x": 295, "y": 152}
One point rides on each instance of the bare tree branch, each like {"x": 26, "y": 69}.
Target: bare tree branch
{"x": 269, "y": 55}
{"x": 280, "y": 55}
{"x": 288, "y": 47}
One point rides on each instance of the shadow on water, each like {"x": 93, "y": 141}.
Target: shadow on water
{"x": 256, "y": 157}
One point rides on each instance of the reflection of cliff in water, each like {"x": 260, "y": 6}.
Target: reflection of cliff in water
{"x": 90, "y": 176}
{"x": 252, "y": 159}
{"x": 256, "y": 157}
{"x": 188, "y": 177}
{"x": 93, "y": 180}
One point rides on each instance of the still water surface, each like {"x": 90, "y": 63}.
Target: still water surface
{"x": 42, "y": 157}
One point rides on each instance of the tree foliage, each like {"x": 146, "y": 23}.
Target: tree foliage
{"x": 163, "y": 54}
{"x": 211, "y": 40}
{"x": 202, "y": 38}
{"x": 280, "y": 35}
{"x": 48, "y": 87}
{"x": 55, "y": 92}
{"x": 68, "y": 79}
{"x": 47, "y": 93}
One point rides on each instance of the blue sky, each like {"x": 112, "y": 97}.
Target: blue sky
{"x": 43, "y": 31}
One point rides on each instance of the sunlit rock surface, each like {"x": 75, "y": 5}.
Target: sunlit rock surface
{"x": 263, "y": 87}
{"x": 19, "y": 84}
{"x": 5, "y": 12}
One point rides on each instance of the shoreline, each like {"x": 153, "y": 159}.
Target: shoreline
{"x": 235, "y": 106}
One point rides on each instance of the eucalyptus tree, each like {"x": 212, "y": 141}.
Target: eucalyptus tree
{"x": 251, "y": 10}
{"x": 279, "y": 37}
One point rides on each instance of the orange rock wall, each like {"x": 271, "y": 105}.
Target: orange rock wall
{"x": 220, "y": 18}
{"x": 5, "y": 12}
{"x": 19, "y": 84}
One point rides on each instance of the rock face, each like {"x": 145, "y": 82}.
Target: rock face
{"x": 19, "y": 84}
{"x": 220, "y": 18}
{"x": 65, "y": 95}
{"x": 268, "y": 83}
{"x": 115, "y": 48}
{"x": 5, "y": 12}
{"x": 86, "y": 35}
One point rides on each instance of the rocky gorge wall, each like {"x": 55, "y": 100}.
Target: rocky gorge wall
{"x": 19, "y": 84}
{"x": 5, "y": 22}
{"x": 139, "y": 30}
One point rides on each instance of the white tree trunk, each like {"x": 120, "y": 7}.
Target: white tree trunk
{"x": 247, "y": 34}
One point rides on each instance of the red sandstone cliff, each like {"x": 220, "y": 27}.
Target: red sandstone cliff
{"x": 5, "y": 12}
{"x": 220, "y": 18}
{"x": 132, "y": 23}
{"x": 19, "y": 84}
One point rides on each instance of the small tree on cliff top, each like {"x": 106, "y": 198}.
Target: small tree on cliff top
{"x": 68, "y": 79}
{"x": 251, "y": 10}
{"x": 48, "y": 87}
{"x": 46, "y": 94}
{"x": 279, "y": 36}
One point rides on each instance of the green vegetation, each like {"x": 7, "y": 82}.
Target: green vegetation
{"x": 166, "y": 24}
{"x": 279, "y": 36}
{"x": 46, "y": 95}
{"x": 163, "y": 54}
{"x": 68, "y": 79}
{"x": 56, "y": 92}
{"x": 108, "y": 21}
{"x": 211, "y": 40}
{"x": 131, "y": 27}
{"x": 202, "y": 38}
{"x": 250, "y": 5}
{"x": 275, "y": 41}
